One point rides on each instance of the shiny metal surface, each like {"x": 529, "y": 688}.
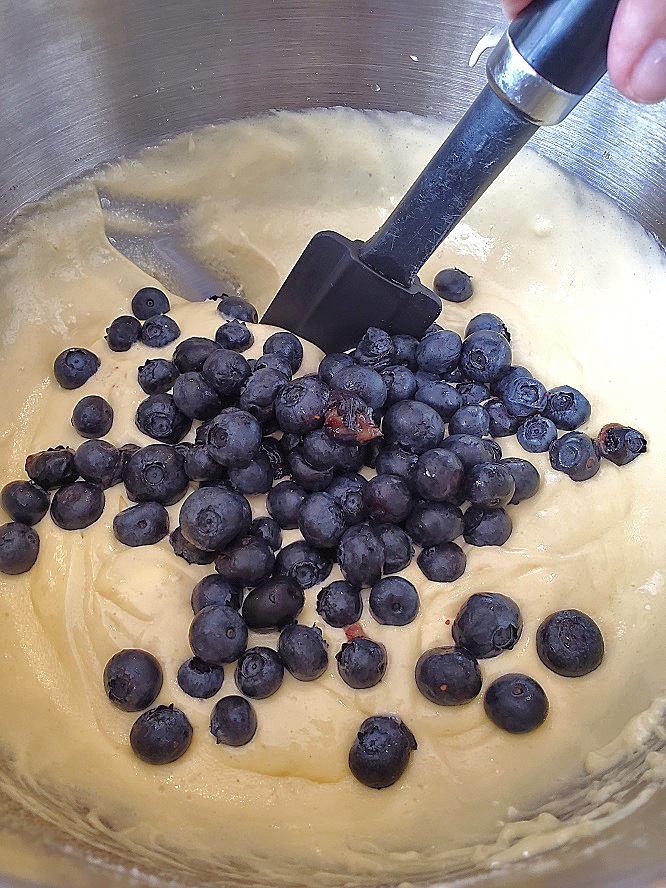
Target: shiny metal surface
{"x": 517, "y": 82}
{"x": 83, "y": 81}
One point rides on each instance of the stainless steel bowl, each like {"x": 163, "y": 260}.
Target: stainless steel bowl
{"x": 83, "y": 81}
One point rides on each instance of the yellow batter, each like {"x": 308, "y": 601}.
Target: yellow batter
{"x": 581, "y": 289}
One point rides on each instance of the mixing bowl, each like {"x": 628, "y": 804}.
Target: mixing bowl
{"x": 83, "y": 81}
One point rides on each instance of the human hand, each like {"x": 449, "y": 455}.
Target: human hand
{"x": 637, "y": 47}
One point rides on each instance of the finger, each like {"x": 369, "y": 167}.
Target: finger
{"x": 513, "y": 7}
{"x": 637, "y": 50}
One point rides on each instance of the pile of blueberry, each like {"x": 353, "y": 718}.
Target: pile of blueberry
{"x": 302, "y": 442}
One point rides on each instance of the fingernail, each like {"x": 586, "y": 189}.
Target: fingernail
{"x": 648, "y": 81}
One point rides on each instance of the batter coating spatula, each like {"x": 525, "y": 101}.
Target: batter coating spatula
{"x": 549, "y": 58}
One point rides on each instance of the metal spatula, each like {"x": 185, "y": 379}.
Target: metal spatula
{"x": 550, "y": 57}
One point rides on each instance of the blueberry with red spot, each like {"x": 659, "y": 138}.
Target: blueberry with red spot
{"x": 525, "y": 476}
{"x": 132, "y": 679}
{"x": 441, "y": 396}
{"x": 485, "y": 356}
{"x": 394, "y": 601}
{"x": 259, "y": 673}
{"x": 156, "y": 474}
{"x": 430, "y": 524}
{"x": 19, "y": 548}
{"x": 619, "y": 444}
{"x": 443, "y": 563}
{"x": 439, "y": 352}
{"x": 304, "y": 563}
{"x": 215, "y": 590}
{"x": 233, "y": 721}
{"x": 159, "y": 418}
{"x": 567, "y": 407}
{"x": 398, "y": 549}
{"x": 161, "y": 735}
{"x": 238, "y": 309}
{"x": 575, "y": 454}
{"x": 190, "y": 354}
{"x": 516, "y": 703}
{"x": 487, "y": 624}
{"x": 361, "y": 556}
{"x": 25, "y": 502}
{"x": 453, "y": 285}
{"x": 199, "y": 679}
{"x": 122, "y": 333}
{"x": 159, "y": 331}
{"x": 142, "y": 525}
{"x": 77, "y": 505}
{"x": 486, "y": 527}
{"x": 157, "y": 376}
{"x": 148, "y": 302}
{"x": 218, "y": 634}
{"x": 234, "y": 336}
{"x": 487, "y": 321}
{"x": 362, "y": 662}
{"x": 339, "y": 604}
{"x": 570, "y": 643}
{"x": 303, "y": 651}
{"x": 536, "y": 434}
{"x": 375, "y": 349}
{"x": 381, "y": 751}
{"x": 74, "y": 367}
{"x": 448, "y": 676}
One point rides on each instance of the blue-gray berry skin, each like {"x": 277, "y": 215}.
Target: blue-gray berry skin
{"x": 25, "y": 502}
{"x": 362, "y": 662}
{"x": 122, "y": 333}
{"x": 233, "y": 721}
{"x": 487, "y": 624}
{"x": 448, "y": 676}
{"x": 536, "y": 434}
{"x": 576, "y": 455}
{"x": 485, "y": 356}
{"x": 394, "y": 601}
{"x": 525, "y": 476}
{"x": 74, "y": 367}
{"x": 19, "y": 548}
{"x": 157, "y": 376}
{"x": 381, "y": 751}
{"x": 199, "y": 679}
{"x": 161, "y": 735}
{"x": 237, "y": 309}
{"x": 273, "y": 604}
{"x": 453, "y": 285}
{"x": 156, "y": 474}
{"x": 259, "y": 673}
{"x": 303, "y": 651}
{"x": 132, "y": 679}
{"x": 77, "y": 505}
{"x": 570, "y": 643}
{"x": 159, "y": 331}
{"x": 567, "y": 407}
{"x": 142, "y": 525}
{"x": 148, "y": 302}
{"x": 516, "y": 703}
{"x": 218, "y": 635}
{"x": 340, "y": 604}
{"x": 214, "y": 590}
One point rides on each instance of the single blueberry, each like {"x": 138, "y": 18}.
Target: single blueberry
{"x": 274, "y": 362}
{"x": 211, "y": 517}
{"x": 381, "y": 751}
{"x": 156, "y": 474}
{"x": 470, "y": 449}
{"x": 347, "y": 491}
{"x": 472, "y": 420}
{"x": 567, "y": 407}
{"x": 184, "y": 549}
{"x": 525, "y": 476}
{"x": 400, "y": 383}
{"x": 194, "y": 397}
{"x": 362, "y": 662}
{"x": 516, "y": 703}
{"x": 77, "y": 505}
{"x": 100, "y": 462}
{"x": 398, "y": 549}
{"x": 438, "y": 475}
{"x": 284, "y": 502}
{"x": 525, "y": 396}
{"x": 190, "y": 354}
{"x": 387, "y": 498}
{"x": 501, "y": 422}
{"x": 442, "y": 397}
{"x": 74, "y": 367}
{"x": 200, "y": 466}
{"x": 486, "y": 527}
{"x": 394, "y": 601}
{"x": 494, "y": 449}
{"x": 234, "y": 336}
{"x": 123, "y": 333}
{"x": 303, "y": 563}
{"x": 361, "y": 556}
{"x": 619, "y": 444}
{"x": 238, "y": 309}
{"x": 214, "y": 590}
{"x": 303, "y": 651}
{"x": 330, "y": 364}
{"x": 320, "y": 521}
{"x": 159, "y": 331}
{"x": 395, "y": 460}
{"x": 307, "y": 477}
{"x": 448, "y": 676}
{"x": 199, "y": 679}
{"x": 300, "y": 405}
{"x": 157, "y": 376}
{"x": 226, "y": 371}
{"x": 161, "y": 735}
{"x": 487, "y": 624}
{"x": 422, "y": 378}
{"x": 443, "y": 563}
{"x": 218, "y": 634}
{"x": 259, "y": 673}
{"x": 51, "y": 468}
{"x": 92, "y": 417}
{"x": 234, "y": 721}
{"x": 248, "y": 561}
{"x": 148, "y": 302}
{"x": 375, "y": 349}
{"x": 286, "y": 345}
{"x": 536, "y": 434}
{"x": 158, "y": 417}
{"x": 430, "y": 524}
{"x": 489, "y": 485}
{"x": 405, "y": 350}
{"x": 413, "y": 425}
{"x": 234, "y": 438}
{"x": 132, "y": 679}
{"x": 267, "y": 529}
{"x": 485, "y": 356}
{"x": 487, "y": 321}
{"x": 255, "y": 478}
{"x": 453, "y": 285}
{"x": 259, "y": 392}
{"x": 439, "y": 352}
{"x": 142, "y": 525}
{"x": 499, "y": 386}
{"x": 339, "y": 604}
{"x": 575, "y": 454}
{"x": 25, "y": 502}
{"x": 273, "y": 604}
{"x": 19, "y": 548}
{"x": 473, "y": 394}
{"x": 364, "y": 382}
{"x": 570, "y": 643}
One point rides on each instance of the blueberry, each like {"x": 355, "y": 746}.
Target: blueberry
{"x": 303, "y": 651}
{"x": 100, "y": 462}
{"x": 487, "y": 321}
{"x": 199, "y": 679}
{"x": 400, "y": 383}
{"x": 142, "y": 525}
{"x": 19, "y": 548}
{"x": 443, "y": 563}
{"x": 259, "y": 673}
{"x": 525, "y": 476}
{"x": 423, "y": 378}
{"x": 194, "y": 396}
{"x": 234, "y": 336}
{"x": 156, "y": 474}
{"x": 394, "y": 601}
{"x": 430, "y": 524}
{"x": 576, "y": 455}
{"x": 361, "y": 556}
{"x": 485, "y": 356}
{"x": 200, "y": 466}
{"x": 218, "y": 634}
{"x": 472, "y": 420}
{"x": 157, "y": 376}
{"x": 238, "y": 309}
{"x": 159, "y": 418}
{"x": 247, "y": 562}
{"x": 387, "y": 498}
{"x": 214, "y": 590}
{"x": 398, "y": 549}
{"x": 570, "y": 643}
{"x": 161, "y": 735}
{"x": 322, "y": 451}
{"x": 375, "y": 349}
{"x": 339, "y": 604}
{"x": 273, "y": 451}
{"x": 619, "y": 444}
{"x": 320, "y": 521}
{"x": 123, "y": 333}
{"x": 499, "y": 386}
{"x": 381, "y": 751}
{"x": 487, "y": 624}
{"x": 470, "y": 449}
{"x": 267, "y": 529}
{"x": 92, "y": 417}
{"x": 442, "y": 397}
{"x": 567, "y": 407}
{"x": 501, "y": 422}
{"x": 234, "y": 438}
{"x": 255, "y": 478}
{"x": 260, "y": 391}
{"x": 305, "y": 475}
{"x": 300, "y": 405}
{"x": 77, "y": 505}
{"x": 273, "y": 604}
{"x": 453, "y": 285}
{"x": 439, "y": 352}
{"x": 395, "y": 460}
{"x": 148, "y": 302}
{"x": 303, "y": 563}
{"x": 536, "y": 434}
{"x": 413, "y": 425}
{"x": 438, "y": 475}
{"x": 211, "y": 517}
{"x": 274, "y": 362}
{"x": 516, "y": 703}
{"x": 190, "y": 354}
{"x": 362, "y": 662}
{"x": 330, "y": 364}
{"x": 184, "y": 549}
{"x": 347, "y": 491}
{"x": 288, "y": 346}
{"x": 74, "y": 367}
{"x": 225, "y": 371}
{"x": 489, "y": 485}
{"x": 25, "y": 502}
{"x": 473, "y": 394}
{"x": 524, "y": 396}
{"x": 486, "y": 527}
{"x": 364, "y": 382}
{"x": 284, "y": 502}
{"x": 159, "y": 331}
{"x": 234, "y": 721}
{"x": 132, "y": 679}
{"x": 405, "y": 350}
{"x": 448, "y": 676}
{"x": 494, "y": 450}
